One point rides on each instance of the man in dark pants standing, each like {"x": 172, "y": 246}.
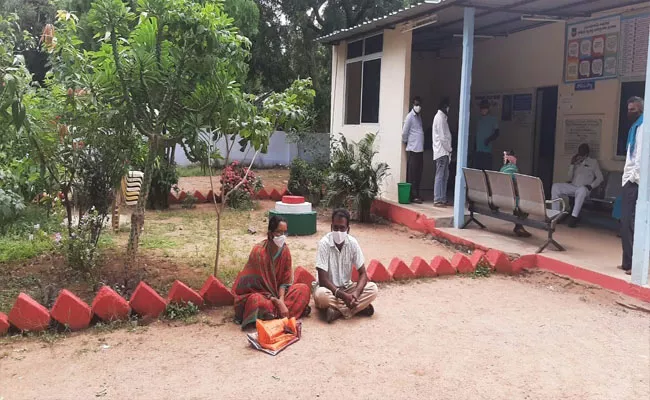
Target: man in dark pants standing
{"x": 487, "y": 131}
{"x": 413, "y": 137}
{"x": 631, "y": 177}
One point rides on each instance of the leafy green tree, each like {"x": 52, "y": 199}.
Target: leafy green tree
{"x": 152, "y": 61}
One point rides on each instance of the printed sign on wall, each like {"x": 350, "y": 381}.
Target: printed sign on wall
{"x": 582, "y": 130}
{"x": 592, "y": 49}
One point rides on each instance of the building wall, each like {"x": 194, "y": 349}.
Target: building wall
{"x": 393, "y": 104}
{"x": 517, "y": 64}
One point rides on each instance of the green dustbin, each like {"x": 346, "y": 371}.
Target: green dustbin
{"x": 404, "y": 193}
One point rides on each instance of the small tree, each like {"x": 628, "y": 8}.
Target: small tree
{"x": 250, "y": 121}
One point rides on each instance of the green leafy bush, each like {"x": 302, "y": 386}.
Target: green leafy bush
{"x": 80, "y": 248}
{"x": 189, "y": 202}
{"x": 181, "y": 311}
{"x": 307, "y": 180}
{"x": 354, "y": 180}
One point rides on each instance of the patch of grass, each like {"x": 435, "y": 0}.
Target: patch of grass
{"x": 157, "y": 242}
{"x": 190, "y": 170}
{"x": 12, "y": 286}
{"x": 182, "y": 312}
{"x": 19, "y": 249}
{"x": 483, "y": 270}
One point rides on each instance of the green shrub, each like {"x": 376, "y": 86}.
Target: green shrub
{"x": 307, "y": 180}
{"x": 354, "y": 180}
{"x": 181, "y": 311}
{"x": 189, "y": 202}
{"x": 80, "y": 248}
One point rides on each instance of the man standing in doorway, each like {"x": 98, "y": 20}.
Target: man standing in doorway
{"x": 631, "y": 178}
{"x": 441, "y": 139}
{"x": 487, "y": 131}
{"x": 584, "y": 176}
{"x": 413, "y": 137}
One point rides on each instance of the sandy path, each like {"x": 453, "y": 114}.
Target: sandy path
{"x": 496, "y": 338}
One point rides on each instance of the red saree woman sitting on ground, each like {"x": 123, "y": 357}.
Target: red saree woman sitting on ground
{"x": 263, "y": 289}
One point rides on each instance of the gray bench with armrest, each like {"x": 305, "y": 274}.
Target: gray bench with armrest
{"x": 520, "y": 201}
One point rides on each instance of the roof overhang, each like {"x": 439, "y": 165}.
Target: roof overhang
{"x": 493, "y": 18}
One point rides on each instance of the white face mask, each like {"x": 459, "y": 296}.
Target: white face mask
{"x": 339, "y": 237}
{"x": 417, "y": 109}
{"x": 279, "y": 240}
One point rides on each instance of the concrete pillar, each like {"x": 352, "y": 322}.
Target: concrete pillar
{"x": 641, "y": 257}
{"x": 463, "y": 117}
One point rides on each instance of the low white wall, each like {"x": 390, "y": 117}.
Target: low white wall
{"x": 280, "y": 151}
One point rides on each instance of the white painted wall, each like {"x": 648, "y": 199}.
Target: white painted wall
{"x": 281, "y": 152}
{"x": 393, "y": 104}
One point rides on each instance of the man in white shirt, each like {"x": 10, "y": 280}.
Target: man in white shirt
{"x": 631, "y": 178}
{"x": 413, "y": 138}
{"x": 338, "y": 253}
{"x": 584, "y": 176}
{"x": 441, "y": 139}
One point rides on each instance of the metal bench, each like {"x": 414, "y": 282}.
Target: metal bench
{"x": 520, "y": 201}
{"x": 605, "y": 195}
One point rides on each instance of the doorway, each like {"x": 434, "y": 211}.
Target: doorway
{"x": 545, "y": 123}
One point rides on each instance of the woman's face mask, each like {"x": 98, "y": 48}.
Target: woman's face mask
{"x": 280, "y": 240}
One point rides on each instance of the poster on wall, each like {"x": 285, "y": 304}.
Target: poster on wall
{"x": 522, "y": 109}
{"x": 634, "y": 45}
{"x": 592, "y": 49}
{"x": 582, "y": 130}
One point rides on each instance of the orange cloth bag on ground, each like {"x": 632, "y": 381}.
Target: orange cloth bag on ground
{"x": 275, "y": 335}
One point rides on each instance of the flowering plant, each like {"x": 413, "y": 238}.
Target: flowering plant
{"x": 233, "y": 174}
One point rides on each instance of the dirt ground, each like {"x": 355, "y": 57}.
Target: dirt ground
{"x": 532, "y": 337}
{"x": 271, "y": 179}
{"x": 181, "y": 244}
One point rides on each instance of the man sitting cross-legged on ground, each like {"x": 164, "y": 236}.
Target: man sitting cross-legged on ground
{"x": 338, "y": 252}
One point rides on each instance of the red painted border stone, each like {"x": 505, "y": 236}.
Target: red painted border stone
{"x": 442, "y": 266}
{"x": 109, "y": 305}
{"x": 215, "y": 293}
{"x": 377, "y": 272}
{"x": 28, "y": 315}
{"x": 181, "y": 293}
{"x": 146, "y": 302}
{"x": 172, "y": 198}
{"x": 477, "y": 257}
{"x": 275, "y": 195}
{"x": 293, "y": 199}
{"x": 262, "y": 194}
{"x": 422, "y": 269}
{"x": 524, "y": 262}
{"x": 182, "y": 196}
{"x": 71, "y": 311}
{"x": 399, "y": 270}
{"x": 200, "y": 198}
{"x": 499, "y": 261}
{"x": 4, "y": 323}
{"x": 355, "y": 274}
{"x": 462, "y": 264}
{"x": 301, "y": 275}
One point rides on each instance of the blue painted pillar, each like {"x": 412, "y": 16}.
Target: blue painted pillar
{"x": 641, "y": 257}
{"x": 463, "y": 116}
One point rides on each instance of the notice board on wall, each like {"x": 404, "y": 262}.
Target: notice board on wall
{"x": 634, "y": 45}
{"x": 592, "y": 49}
{"x": 582, "y": 130}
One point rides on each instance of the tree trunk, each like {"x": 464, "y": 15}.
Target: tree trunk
{"x": 137, "y": 218}
{"x": 216, "y": 258}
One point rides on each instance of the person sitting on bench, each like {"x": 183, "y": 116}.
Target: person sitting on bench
{"x": 510, "y": 167}
{"x": 584, "y": 176}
